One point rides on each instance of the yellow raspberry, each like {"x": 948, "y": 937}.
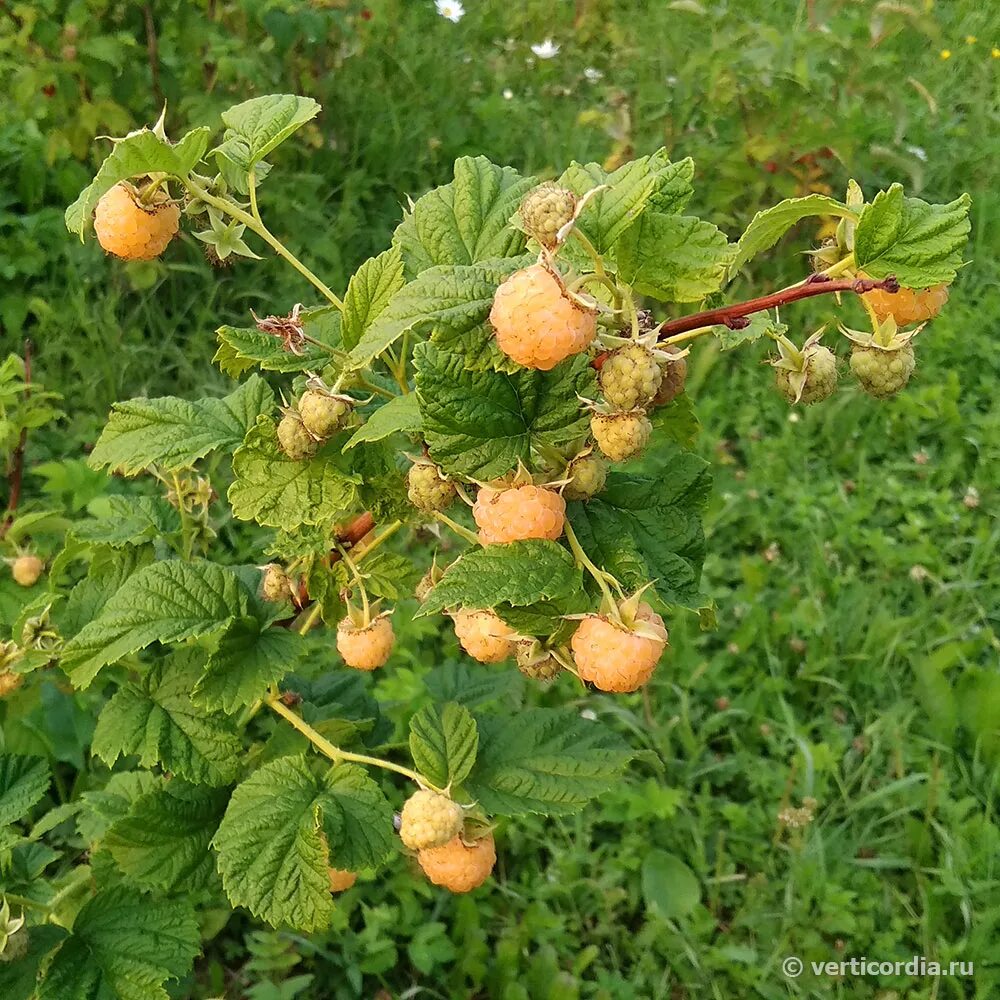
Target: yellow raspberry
{"x": 293, "y": 438}
{"x": 621, "y": 436}
{"x": 520, "y": 512}
{"x": 908, "y": 305}
{"x": 614, "y": 658}
{"x": 368, "y": 647}
{"x": 429, "y": 819}
{"x": 483, "y": 635}
{"x": 536, "y": 323}
{"x": 26, "y": 570}
{"x": 132, "y": 231}
{"x": 341, "y": 879}
{"x": 9, "y": 682}
{"x": 457, "y": 866}
{"x": 323, "y": 414}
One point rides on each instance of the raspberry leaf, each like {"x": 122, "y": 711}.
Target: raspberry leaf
{"x": 156, "y": 720}
{"x": 173, "y": 433}
{"x": 760, "y": 324}
{"x": 543, "y": 761}
{"x": 519, "y": 573}
{"x": 481, "y": 423}
{"x": 921, "y": 244}
{"x": 474, "y": 686}
{"x": 444, "y": 741}
{"x": 265, "y": 122}
{"x": 673, "y": 187}
{"x": 23, "y": 784}
{"x": 357, "y": 819}
{"x": 108, "y": 571}
{"x": 122, "y": 945}
{"x": 104, "y": 806}
{"x": 370, "y": 291}
{"x": 129, "y": 521}
{"x": 465, "y": 221}
{"x": 242, "y": 348}
{"x": 401, "y": 415}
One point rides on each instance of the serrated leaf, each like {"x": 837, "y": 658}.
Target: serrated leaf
{"x": 357, "y": 819}
{"x": 400, "y": 415}
{"x": 163, "y": 841}
{"x": 265, "y": 122}
{"x": 123, "y": 946}
{"x": 107, "y": 573}
{"x": 519, "y": 573}
{"x": 444, "y": 741}
{"x": 129, "y": 521}
{"x": 769, "y": 226}
{"x": 157, "y": 721}
{"x": 482, "y": 423}
{"x": 134, "y": 156}
{"x": 277, "y": 492}
{"x": 673, "y": 187}
{"x": 760, "y": 324}
{"x": 465, "y": 221}
{"x": 369, "y": 292}
{"x": 165, "y": 602}
{"x": 641, "y": 528}
{"x": 19, "y": 979}
{"x": 673, "y": 258}
{"x": 449, "y": 299}
{"x": 474, "y": 686}
{"x": 23, "y": 784}
{"x": 545, "y": 761}
{"x": 173, "y": 433}
{"x": 921, "y": 244}
{"x": 242, "y": 348}
{"x": 102, "y": 807}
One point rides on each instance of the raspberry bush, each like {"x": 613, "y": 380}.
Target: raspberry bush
{"x": 473, "y": 390}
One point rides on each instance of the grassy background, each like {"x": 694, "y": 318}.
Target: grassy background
{"x": 856, "y": 658}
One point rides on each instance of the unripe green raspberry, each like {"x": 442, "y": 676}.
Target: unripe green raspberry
{"x": 274, "y": 585}
{"x": 882, "y": 373}
{"x": 630, "y": 377}
{"x": 621, "y": 436}
{"x": 545, "y": 210}
{"x": 820, "y": 377}
{"x": 322, "y": 414}
{"x": 674, "y": 375}
{"x": 429, "y": 819}
{"x": 427, "y": 488}
{"x": 294, "y": 440}
{"x": 587, "y": 475}
{"x": 537, "y": 663}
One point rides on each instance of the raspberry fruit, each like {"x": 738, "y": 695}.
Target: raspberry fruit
{"x": 545, "y": 210}
{"x": 587, "y": 475}
{"x": 294, "y": 440}
{"x": 630, "y": 377}
{"x": 457, "y": 866}
{"x": 27, "y": 570}
{"x": 274, "y": 584}
{"x": 341, "y": 879}
{"x": 365, "y": 647}
{"x": 908, "y": 305}
{"x": 429, "y": 819}
{"x": 880, "y": 372}
{"x": 674, "y": 375}
{"x": 536, "y": 662}
{"x": 619, "y": 656}
{"x": 427, "y": 487}
{"x": 621, "y": 435}
{"x": 806, "y": 376}
{"x": 130, "y": 230}
{"x": 518, "y": 512}
{"x": 536, "y": 323}
{"x": 483, "y": 635}
{"x": 323, "y": 414}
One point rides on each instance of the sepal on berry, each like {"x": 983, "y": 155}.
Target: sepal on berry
{"x": 806, "y": 375}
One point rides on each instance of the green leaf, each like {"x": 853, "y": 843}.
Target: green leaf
{"x": 921, "y": 244}
{"x": 451, "y": 300}
{"x": 770, "y": 225}
{"x": 673, "y": 258}
{"x": 669, "y": 887}
{"x": 140, "y": 153}
{"x": 519, "y": 573}
{"x": 23, "y": 784}
{"x": 481, "y": 423}
{"x": 163, "y": 841}
{"x": 107, "y": 573}
{"x": 673, "y": 187}
{"x": 19, "y": 979}
{"x": 369, "y": 292}
{"x": 465, "y": 221}
{"x": 443, "y": 743}
{"x": 165, "y": 602}
{"x": 173, "y": 433}
{"x": 641, "y": 529}
{"x": 357, "y": 819}
{"x": 102, "y": 807}
{"x": 400, "y": 415}
{"x": 265, "y": 122}
{"x": 473, "y": 686}
{"x": 157, "y": 721}
{"x": 123, "y": 946}
{"x": 543, "y": 761}
{"x": 129, "y": 521}
{"x": 277, "y": 492}
{"x": 760, "y": 324}
{"x": 242, "y": 348}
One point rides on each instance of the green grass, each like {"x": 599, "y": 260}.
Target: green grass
{"x": 855, "y": 659}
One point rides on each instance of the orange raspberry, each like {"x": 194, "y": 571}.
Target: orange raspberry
{"x": 483, "y": 635}
{"x": 429, "y": 819}
{"x": 365, "y": 647}
{"x": 908, "y": 305}
{"x": 536, "y": 323}
{"x": 26, "y": 570}
{"x": 457, "y": 866}
{"x": 519, "y": 512}
{"x": 341, "y": 879}
{"x": 133, "y": 231}
{"x": 614, "y": 657}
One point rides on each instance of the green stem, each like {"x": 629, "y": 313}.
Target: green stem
{"x": 591, "y": 252}
{"x": 314, "y": 613}
{"x": 388, "y": 533}
{"x": 584, "y": 560}
{"x": 23, "y": 901}
{"x": 464, "y": 532}
{"x": 352, "y": 566}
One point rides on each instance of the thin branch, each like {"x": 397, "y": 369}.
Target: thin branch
{"x": 16, "y": 475}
